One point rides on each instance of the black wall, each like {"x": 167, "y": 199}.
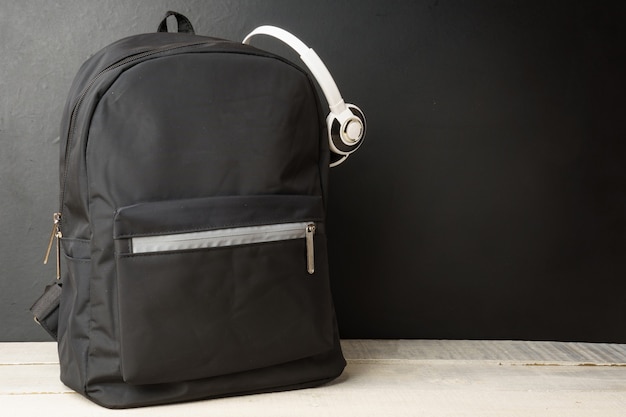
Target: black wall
{"x": 489, "y": 200}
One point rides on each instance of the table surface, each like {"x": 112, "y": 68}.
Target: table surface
{"x": 383, "y": 378}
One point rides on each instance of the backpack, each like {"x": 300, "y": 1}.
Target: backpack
{"x": 191, "y": 237}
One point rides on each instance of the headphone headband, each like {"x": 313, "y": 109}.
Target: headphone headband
{"x": 312, "y": 61}
{"x": 346, "y": 122}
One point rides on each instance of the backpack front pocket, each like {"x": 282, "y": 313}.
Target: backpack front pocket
{"x": 220, "y": 285}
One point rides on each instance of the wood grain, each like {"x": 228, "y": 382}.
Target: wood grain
{"x": 383, "y": 378}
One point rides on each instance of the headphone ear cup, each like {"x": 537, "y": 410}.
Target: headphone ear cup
{"x": 359, "y": 115}
{"x": 346, "y": 136}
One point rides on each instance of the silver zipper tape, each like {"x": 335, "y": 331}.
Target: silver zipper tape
{"x": 219, "y": 238}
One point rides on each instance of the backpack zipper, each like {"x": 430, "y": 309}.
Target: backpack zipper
{"x": 310, "y": 248}
{"x": 56, "y": 233}
{"x": 230, "y": 237}
{"x": 56, "y": 230}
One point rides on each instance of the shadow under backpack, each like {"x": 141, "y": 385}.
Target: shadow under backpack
{"x": 190, "y": 239}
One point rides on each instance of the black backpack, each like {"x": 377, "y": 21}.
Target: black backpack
{"x": 191, "y": 242}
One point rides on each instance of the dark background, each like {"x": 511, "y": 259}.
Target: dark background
{"x": 489, "y": 200}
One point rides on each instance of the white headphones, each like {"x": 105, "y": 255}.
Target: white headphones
{"x": 346, "y": 122}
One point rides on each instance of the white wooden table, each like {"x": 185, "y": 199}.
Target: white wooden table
{"x": 383, "y": 378}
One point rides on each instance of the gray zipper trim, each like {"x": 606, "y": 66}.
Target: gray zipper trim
{"x": 220, "y": 238}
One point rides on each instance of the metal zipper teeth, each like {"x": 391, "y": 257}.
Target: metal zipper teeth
{"x": 73, "y": 116}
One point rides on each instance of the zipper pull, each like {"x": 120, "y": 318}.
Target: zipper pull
{"x": 55, "y": 230}
{"x": 56, "y": 233}
{"x": 310, "y": 248}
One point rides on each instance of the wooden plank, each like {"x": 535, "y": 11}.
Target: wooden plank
{"x": 399, "y": 378}
{"x": 30, "y": 379}
{"x": 504, "y": 351}
{"x": 28, "y": 352}
{"x": 398, "y": 389}
{"x": 507, "y": 351}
